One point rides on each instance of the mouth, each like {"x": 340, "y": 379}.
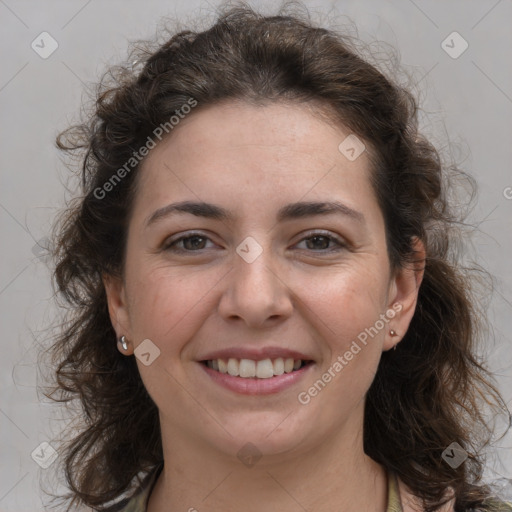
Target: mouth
{"x": 261, "y": 369}
{"x": 256, "y": 377}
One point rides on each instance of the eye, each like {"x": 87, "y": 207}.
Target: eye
{"x": 192, "y": 242}
{"x": 195, "y": 242}
{"x": 319, "y": 241}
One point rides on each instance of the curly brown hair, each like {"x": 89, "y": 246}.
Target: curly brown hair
{"x": 427, "y": 394}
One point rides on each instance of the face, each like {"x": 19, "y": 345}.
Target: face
{"x": 263, "y": 284}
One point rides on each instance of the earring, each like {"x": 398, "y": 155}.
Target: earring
{"x": 122, "y": 340}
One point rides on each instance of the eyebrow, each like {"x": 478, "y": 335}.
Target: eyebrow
{"x": 287, "y": 212}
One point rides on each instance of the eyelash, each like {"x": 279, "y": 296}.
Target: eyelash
{"x": 341, "y": 244}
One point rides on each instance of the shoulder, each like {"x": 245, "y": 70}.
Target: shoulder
{"x": 138, "y": 502}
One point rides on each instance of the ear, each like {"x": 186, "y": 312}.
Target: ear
{"x": 404, "y": 288}
{"x": 118, "y": 309}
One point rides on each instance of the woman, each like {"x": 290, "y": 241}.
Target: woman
{"x": 266, "y": 313}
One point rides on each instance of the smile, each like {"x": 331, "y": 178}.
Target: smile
{"x": 262, "y": 369}
{"x": 256, "y": 377}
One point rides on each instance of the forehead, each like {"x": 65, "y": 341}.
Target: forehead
{"x": 300, "y": 127}
{"x": 253, "y": 141}
{"x": 254, "y": 154}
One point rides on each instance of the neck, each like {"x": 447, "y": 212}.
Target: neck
{"x": 334, "y": 475}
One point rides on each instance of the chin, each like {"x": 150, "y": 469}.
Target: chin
{"x": 262, "y": 433}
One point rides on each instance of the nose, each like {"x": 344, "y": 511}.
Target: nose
{"x": 256, "y": 293}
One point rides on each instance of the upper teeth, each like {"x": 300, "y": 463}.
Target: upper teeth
{"x": 263, "y": 369}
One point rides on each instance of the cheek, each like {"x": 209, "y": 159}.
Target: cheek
{"x": 167, "y": 302}
{"x": 170, "y": 300}
{"x": 346, "y": 312}
{"x": 352, "y": 334}
{"x": 347, "y": 301}
{"x": 168, "y": 307}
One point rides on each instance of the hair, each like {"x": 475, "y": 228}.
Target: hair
{"x": 427, "y": 394}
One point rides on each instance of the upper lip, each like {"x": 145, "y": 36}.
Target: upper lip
{"x": 255, "y": 354}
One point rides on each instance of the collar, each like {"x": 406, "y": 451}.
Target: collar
{"x": 394, "y": 501}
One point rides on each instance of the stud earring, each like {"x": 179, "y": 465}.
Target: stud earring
{"x": 122, "y": 340}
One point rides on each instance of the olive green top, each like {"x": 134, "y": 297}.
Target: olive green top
{"x": 139, "y": 502}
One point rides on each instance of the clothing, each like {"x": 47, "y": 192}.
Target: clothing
{"x": 398, "y": 497}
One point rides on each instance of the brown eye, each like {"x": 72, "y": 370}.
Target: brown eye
{"x": 194, "y": 242}
{"x": 319, "y": 242}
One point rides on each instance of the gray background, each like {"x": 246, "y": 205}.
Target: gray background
{"x": 467, "y": 101}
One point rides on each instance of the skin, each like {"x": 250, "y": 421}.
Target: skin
{"x": 298, "y": 294}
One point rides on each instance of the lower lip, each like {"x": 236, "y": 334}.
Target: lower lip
{"x": 255, "y": 386}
